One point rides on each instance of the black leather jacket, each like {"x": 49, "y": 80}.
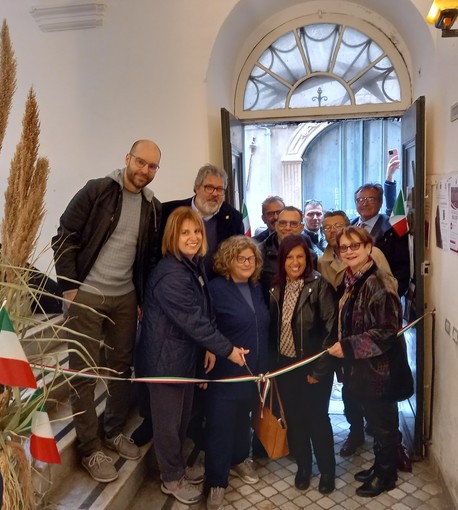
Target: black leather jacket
{"x": 314, "y": 324}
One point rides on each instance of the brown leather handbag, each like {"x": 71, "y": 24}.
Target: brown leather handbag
{"x": 270, "y": 429}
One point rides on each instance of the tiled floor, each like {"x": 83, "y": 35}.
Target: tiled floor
{"x": 420, "y": 489}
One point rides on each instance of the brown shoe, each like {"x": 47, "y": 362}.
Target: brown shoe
{"x": 351, "y": 444}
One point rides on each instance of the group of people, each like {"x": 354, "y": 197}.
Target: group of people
{"x": 207, "y": 302}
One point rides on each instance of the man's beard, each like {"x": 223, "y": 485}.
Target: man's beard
{"x": 207, "y": 208}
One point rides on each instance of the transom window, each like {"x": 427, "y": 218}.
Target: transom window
{"x": 323, "y": 65}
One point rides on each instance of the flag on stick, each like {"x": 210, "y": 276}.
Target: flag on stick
{"x": 14, "y": 367}
{"x": 246, "y": 220}
{"x": 43, "y": 446}
{"x": 398, "y": 218}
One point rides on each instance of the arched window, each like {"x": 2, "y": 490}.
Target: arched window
{"x": 333, "y": 66}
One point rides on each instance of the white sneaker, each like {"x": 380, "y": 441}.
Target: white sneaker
{"x": 215, "y": 498}
{"x": 182, "y": 491}
{"x": 194, "y": 474}
{"x": 246, "y": 472}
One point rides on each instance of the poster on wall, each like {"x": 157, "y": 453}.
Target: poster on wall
{"x": 441, "y": 214}
{"x": 453, "y": 194}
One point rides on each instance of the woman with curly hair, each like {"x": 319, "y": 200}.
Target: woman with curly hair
{"x": 241, "y": 316}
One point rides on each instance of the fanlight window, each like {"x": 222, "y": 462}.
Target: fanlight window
{"x": 324, "y": 65}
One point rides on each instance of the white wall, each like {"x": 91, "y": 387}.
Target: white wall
{"x": 163, "y": 69}
{"x": 441, "y": 286}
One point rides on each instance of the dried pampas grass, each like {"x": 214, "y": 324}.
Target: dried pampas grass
{"x": 17, "y": 477}
{"x": 24, "y": 198}
{"x": 7, "y": 79}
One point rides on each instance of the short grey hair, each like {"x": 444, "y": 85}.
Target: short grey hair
{"x": 271, "y": 200}
{"x": 209, "y": 169}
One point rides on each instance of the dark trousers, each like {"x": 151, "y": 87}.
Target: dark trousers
{"x": 170, "y": 410}
{"x": 382, "y": 418}
{"x": 353, "y": 412}
{"x": 119, "y": 339}
{"x": 227, "y": 438}
{"x": 307, "y": 415}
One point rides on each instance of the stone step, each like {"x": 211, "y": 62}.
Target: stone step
{"x": 68, "y": 486}
{"x": 43, "y": 334}
{"x": 73, "y": 488}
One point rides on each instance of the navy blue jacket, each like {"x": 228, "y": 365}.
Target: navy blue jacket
{"x": 177, "y": 319}
{"x": 245, "y": 328}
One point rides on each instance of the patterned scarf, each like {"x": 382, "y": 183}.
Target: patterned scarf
{"x": 292, "y": 292}
{"x": 350, "y": 279}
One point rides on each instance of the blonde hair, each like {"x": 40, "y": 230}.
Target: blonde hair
{"x": 230, "y": 249}
{"x": 172, "y": 231}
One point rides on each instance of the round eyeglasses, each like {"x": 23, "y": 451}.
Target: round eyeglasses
{"x": 141, "y": 163}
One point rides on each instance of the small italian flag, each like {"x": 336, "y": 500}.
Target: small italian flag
{"x": 14, "y": 367}
{"x": 43, "y": 446}
{"x": 398, "y": 218}
{"x": 246, "y": 220}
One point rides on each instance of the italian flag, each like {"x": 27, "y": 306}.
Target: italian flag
{"x": 398, "y": 218}
{"x": 14, "y": 367}
{"x": 246, "y": 220}
{"x": 43, "y": 446}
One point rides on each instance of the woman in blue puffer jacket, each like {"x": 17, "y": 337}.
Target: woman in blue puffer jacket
{"x": 177, "y": 321}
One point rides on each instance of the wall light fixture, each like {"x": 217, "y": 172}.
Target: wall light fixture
{"x": 442, "y": 15}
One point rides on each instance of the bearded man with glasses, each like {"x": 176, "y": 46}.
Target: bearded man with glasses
{"x": 221, "y": 220}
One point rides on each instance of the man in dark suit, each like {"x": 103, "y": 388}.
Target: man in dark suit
{"x": 369, "y": 199}
{"x": 220, "y": 218}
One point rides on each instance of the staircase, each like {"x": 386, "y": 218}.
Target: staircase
{"x": 68, "y": 485}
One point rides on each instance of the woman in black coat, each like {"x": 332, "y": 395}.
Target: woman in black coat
{"x": 177, "y": 321}
{"x": 303, "y": 312}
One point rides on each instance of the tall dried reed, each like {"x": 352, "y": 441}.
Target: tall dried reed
{"x": 7, "y": 79}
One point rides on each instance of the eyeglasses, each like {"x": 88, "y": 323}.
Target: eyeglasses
{"x": 371, "y": 200}
{"x": 241, "y": 259}
{"x": 336, "y": 226}
{"x": 140, "y": 162}
{"x": 353, "y": 247}
{"x": 220, "y": 190}
{"x": 292, "y": 224}
{"x": 272, "y": 214}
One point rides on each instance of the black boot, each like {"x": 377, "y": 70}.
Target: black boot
{"x": 302, "y": 479}
{"x": 365, "y": 475}
{"x": 352, "y": 443}
{"x": 327, "y": 483}
{"x": 374, "y": 487}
